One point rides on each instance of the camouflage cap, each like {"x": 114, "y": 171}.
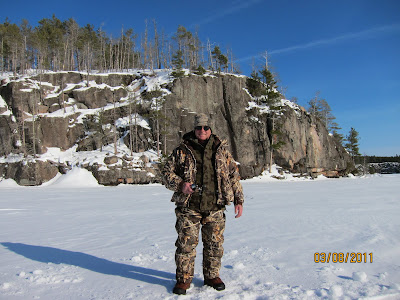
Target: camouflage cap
{"x": 201, "y": 120}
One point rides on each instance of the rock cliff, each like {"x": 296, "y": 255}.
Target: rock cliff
{"x": 307, "y": 145}
{"x": 70, "y": 118}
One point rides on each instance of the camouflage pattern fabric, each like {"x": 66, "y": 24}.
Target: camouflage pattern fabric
{"x": 188, "y": 224}
{"x": 181, "y": 167}
{"x": 205, "y": 177}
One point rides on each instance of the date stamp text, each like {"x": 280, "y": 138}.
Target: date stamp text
{"x": 341, "y": 257}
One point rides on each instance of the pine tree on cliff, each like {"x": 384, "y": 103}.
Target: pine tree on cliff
{"x": 215, "y": 55}
{"x": 335, "y": 132}
{"x": 273, "y": 96}
{"x": 352, "y": 145}
{"x": 255, "y": 86}
{"x": 177, "y": 62}
{"x": 273, "y": 101}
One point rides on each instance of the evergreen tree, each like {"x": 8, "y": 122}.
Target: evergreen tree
{"x": 189, "y": 45}
{"x": 48, "y": 38}
{"x": 338, "y": 136}
{"x": 200, "y": 70}
{"x": 64, "y": 45}
{"x": 216, "y": 53}
{"x": 352, "y": 145}
{"x": 11, "y": 46}
{"x": 254, "y": 85}
{"x": 177, "y": 63}
{"x": 254, "y": 75}
{"x": 88, "y": 45}
{"x": 273, "y": 96}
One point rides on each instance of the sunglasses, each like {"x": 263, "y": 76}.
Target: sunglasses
{"x": 200, "y": 127}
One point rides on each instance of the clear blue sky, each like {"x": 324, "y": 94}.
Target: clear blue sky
{"x": 347, "y": 50}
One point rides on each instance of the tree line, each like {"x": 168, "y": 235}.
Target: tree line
{"x": 64, "y": 46}
{"x": 377, "y": 159}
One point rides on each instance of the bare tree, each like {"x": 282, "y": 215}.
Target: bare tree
{"x": 210, "y": 56}
{"x": 315, "y": 105}
{"x": 21, "y": 125}
{"x": 115, "y": 125}
{"x": 145, "y": 47}
{"x": 133, "y": 137}
{"x": 156, "y": 46}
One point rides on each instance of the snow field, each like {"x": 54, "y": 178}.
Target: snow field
{"x": 70, "y": 241}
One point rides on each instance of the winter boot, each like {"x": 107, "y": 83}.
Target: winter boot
{"x": 180, "y": 288}
{"x": 215, "y": 283}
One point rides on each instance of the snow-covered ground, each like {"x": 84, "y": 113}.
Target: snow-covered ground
{"x": 74, "y": 239}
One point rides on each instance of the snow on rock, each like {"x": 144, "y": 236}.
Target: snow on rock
{"x": 135, "y": 119}
{"x": 77, "y": 177}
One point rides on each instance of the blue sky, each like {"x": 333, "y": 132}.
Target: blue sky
{"x": 347, "y": 50}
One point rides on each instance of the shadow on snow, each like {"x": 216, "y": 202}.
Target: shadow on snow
{"x": 92, "y": 263}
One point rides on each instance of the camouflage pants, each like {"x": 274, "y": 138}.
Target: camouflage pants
{"x": 188, "y": 223}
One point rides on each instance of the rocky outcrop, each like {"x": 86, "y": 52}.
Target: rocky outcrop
{"x": 308, "y": 147}
{"x": 6, "y": 134}
{"x": 384, "y": 168}
{"x": 60, "y": 132}
{"x": 69, "y": 111}
{"x": 65, "y": 78}
{"x": 225, "y": 100}
{"x": 94, "y": 97}
{"x": 115, "y": 176}
{"x": 29, "y": 173}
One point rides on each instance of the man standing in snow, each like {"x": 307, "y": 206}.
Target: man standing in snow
{"x": 205, "y": 178}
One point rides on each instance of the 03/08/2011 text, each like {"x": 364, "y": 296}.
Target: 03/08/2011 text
{"x": 341, "y": 257}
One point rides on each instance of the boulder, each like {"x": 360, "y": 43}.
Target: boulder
{"x": 116, "y": 176}
{"x": 109, "y": 160}
{"x": 29, "y": 173}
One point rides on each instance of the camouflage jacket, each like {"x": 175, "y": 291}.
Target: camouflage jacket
{"x": 180, "y": 167}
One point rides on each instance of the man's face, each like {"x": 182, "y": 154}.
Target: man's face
{"x": 201, "y": 133}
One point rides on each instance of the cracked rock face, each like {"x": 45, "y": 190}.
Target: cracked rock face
{"x": 307, "y": 146}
